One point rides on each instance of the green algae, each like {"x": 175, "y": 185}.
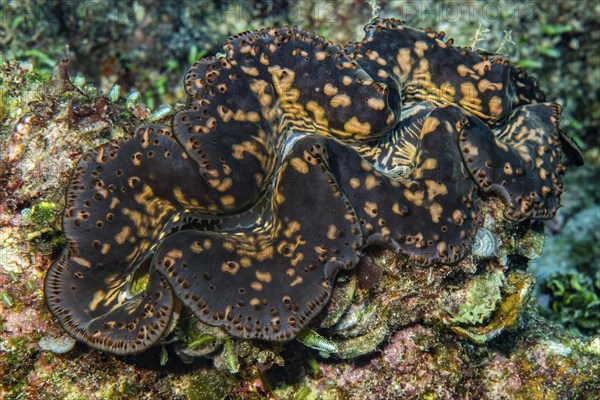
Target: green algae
{"x": 575, "y": 300}
{"x": 531, "y": 244}
{"x": 41, "y": 213}
{"x": 121, "y": 390}
{"x": 21, "y": 83}
{"x": 203, "y": 340}
{"x": 17, "y": 359}
{"x": 568, "y": 270}
{"x": 252, "y": 353}
{"x": 210, "y": 385}
{"x": 515, "y": 294}
{"x": 307, "y": 391}
{"x": 476, "y": 300}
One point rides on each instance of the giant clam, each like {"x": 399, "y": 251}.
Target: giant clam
{"x": 388, "y": 141}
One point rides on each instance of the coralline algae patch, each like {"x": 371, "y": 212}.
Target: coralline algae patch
{"x": 395, "y": 144}
{"x": 418, "y": 362}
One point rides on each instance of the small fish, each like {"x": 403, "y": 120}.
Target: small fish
{"x": 132, "y": 98}
{"x": 312, "y": 339}
{"x": 161, "y": 112}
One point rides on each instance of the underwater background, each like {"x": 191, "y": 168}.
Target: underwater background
{"x": 126, "y": 63}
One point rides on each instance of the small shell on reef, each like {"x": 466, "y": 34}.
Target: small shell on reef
{"x": 485, "y": 243}
{"x": 57, "y": 344}
{"x": 357, "y": 320}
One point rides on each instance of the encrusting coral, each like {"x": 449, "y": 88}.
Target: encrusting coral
{"x": 392, "y": 141}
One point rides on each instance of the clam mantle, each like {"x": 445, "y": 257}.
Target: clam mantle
{"x": 292, "y": 157}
